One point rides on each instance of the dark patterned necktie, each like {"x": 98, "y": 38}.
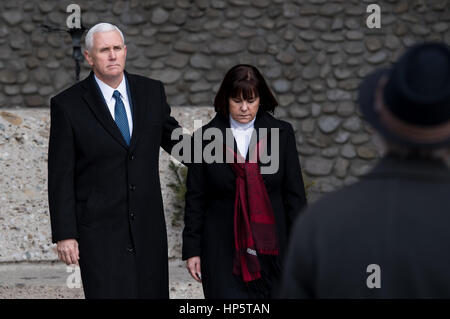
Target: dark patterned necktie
{"x": 121, "y": 117}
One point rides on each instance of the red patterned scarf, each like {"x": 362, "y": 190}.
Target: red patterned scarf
{"x": 254, "y": 221}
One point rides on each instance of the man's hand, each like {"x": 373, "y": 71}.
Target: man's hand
{"x": 193, "y": 266}
{"x": 68, "y": 251}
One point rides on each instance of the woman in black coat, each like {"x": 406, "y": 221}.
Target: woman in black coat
{"x": 238, "y": 215}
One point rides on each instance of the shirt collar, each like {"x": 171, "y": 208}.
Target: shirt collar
{"x": 108, "y": 91}
{"x": 239, "y": 126}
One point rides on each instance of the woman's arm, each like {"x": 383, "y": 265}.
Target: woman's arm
{"x": 194, "y": 209}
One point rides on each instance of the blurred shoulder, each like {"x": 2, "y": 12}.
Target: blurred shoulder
{"x": 72, "y": 93}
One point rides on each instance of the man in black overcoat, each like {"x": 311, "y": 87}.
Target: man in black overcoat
{"x": 104, "y": 190}
{"x": 387, "y": 236}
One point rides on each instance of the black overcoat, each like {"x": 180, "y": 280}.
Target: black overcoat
{"x": 396, "y": 218}
{"x": 209, "y": 211}
{"x": 107, "y": 195}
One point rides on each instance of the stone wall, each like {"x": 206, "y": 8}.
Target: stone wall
{"x": 312, "y": 52}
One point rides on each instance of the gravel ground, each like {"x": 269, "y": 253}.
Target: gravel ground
{"x": 50, "y": 280}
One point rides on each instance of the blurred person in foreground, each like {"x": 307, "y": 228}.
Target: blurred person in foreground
{"x": 387, "y": 235}
{"x": 238, "y": 214}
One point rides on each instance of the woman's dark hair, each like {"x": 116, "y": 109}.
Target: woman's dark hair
{"x": 246, "y": 80}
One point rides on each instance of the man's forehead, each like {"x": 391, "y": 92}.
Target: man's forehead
{"x": 107, "y": 38}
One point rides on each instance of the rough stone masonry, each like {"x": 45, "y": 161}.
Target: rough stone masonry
{"x": 312, "y": 52}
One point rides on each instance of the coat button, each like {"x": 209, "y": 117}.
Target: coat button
{"x": 132, "y": 187}
{"x": 132, "y": 157}
{"x": 130, "y": 250}
{"x": 132, "y": 216}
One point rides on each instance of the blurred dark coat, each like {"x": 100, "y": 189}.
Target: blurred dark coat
{"x": 209, "y": 212}
{"x": 396, "y": 217}
{"x": 107, "y": 195}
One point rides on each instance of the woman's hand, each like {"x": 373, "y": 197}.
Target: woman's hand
{"x": 193, "y": 266}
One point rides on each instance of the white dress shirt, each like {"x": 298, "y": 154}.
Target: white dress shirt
{"x": 108, "y": 92}
{"x": 242, "y": 134}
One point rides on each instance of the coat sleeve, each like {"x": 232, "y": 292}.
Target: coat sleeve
{"x": 169, "y": 125}
{"x": 293, "y": 187}
{"x": 61, "y": 167}
{"x": 297, "y": 281}
{"x": 194, "y": 209}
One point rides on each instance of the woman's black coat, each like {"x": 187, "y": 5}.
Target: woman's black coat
{"x": 209, "y": 211}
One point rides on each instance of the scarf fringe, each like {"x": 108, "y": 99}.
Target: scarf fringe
{"x": 275, "y": 252}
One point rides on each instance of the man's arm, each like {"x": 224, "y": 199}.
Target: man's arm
{"x": 61, "y": 167}
{"x": 169, "y": 125}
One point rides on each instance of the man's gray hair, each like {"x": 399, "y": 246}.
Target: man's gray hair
{"x": 100, "y": 27}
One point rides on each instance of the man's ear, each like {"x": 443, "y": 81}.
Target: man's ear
{"x": 88, "y": 57}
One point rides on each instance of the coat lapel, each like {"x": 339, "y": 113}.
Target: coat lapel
{"x": 97, "y": 104}
{"x": 261, "y": 121}
{"x": 223, "y": 124}
{"x": 138, "y": 100}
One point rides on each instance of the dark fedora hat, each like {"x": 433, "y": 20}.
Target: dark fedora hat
{"x": 409, "y": 103}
